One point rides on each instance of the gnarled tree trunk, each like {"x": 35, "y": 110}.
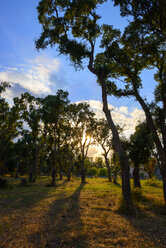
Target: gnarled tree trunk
{"x": 123, "y": 159}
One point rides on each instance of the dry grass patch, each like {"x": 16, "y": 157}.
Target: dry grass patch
{"x": 74, "y": 215}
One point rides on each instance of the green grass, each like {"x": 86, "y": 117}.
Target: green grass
{"x": 75, "y": 215}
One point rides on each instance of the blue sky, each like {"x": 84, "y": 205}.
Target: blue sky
{"x": 44, "y": 72}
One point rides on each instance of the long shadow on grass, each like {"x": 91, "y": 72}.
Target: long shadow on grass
{"x": 150, "y": 221}
{"x": 151, "y": 227}
{"x": 63, "y": 227}
{"x": 25, "y": 197}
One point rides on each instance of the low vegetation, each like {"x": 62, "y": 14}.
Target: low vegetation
{"x": 80, "y": 215}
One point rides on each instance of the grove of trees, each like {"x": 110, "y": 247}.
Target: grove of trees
{"x": 51, "y": 136}
{"x": 54, "y": 135}
{"x": 73, "y": 27}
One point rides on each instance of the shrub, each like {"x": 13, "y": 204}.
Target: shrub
{"x": 93, "y": 171}
{"x": 102, "y": 172}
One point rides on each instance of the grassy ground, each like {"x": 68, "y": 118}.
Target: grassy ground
{"x": 72, "y": 215}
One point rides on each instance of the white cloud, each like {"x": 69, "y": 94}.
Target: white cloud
{"x": 9, "y": 68}
{"x": 123, "y": 109}
{"x": 36, "y": 77}
{"x": 121, "y": 116}
{"x": 94, "y": 151}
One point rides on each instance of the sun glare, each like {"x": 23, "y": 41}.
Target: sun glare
{"x": 86, "y": 139}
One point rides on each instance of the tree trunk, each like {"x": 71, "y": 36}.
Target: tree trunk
{"x": 1, "y": 168}
{"x": 60, "y": 170}
{"x": 30, "y": 171}
{"x": 164, "y": 184}
{"x": 70, "y": 167}
{"x": 136, "y": 179}
{"x": 115, "y": 175}
{"x": 108, "y": 168}
{"x": 30, "y": 176}
{"x": 115, "y": 180}
{"x": 34, "y": 164}
{"x": 123, "y": 159}
{"x": 40, "y": 167}
{"x": 60, "y": 175}
{"x": 124, "y": 162}
{"x": 54, "y": 161}
{"x": 160, "y": 148}
{"x": 68, "y": 177}
{"x": 82, "y": 172}
{"x": 53, "y": 176}
{"x": 22, "y": 169}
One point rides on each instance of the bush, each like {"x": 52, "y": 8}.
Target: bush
{"x": 93, "y": 171}
{"x": 102, "y": 172}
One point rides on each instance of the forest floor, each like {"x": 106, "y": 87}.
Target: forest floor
{"x": 75, "y": 215}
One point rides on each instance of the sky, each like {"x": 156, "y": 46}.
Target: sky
{"x": 42, "y": 73}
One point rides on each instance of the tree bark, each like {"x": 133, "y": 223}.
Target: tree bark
{"x": 82, "y": 172}
{"x": 164, "y": 184}
{"x": 124, "y": 163}
{"x": 35, "y": 165}
{"x": 54, "y": 169}
{"x": 40, "y": 167}
{"x": 160, "y": 148}
{"x": 136, "y": 179}
{"x": 30, "y": 171}
{"x": 115, "y": 180}
{"x": 60, "y": 170}
{"x": 108, "y": 168}
{"x": 70, "y": 168}
{"x": 61, "y": 175}
{"x": 1, "y": 168}
{"x": 53, "y": 176}
{"x": 68, "y": 176}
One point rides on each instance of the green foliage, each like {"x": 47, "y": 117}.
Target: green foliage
{"x": 103, "y": 172}
{"x": 140, "y": 145}
{"x": 99, "y": 163}
{"x": 10, "y": 125}
{"x": 87, "y": 164}
{"x": 93, "y": 171}
{"x": 103, "y": 135}
{"x": 69, "y": 19}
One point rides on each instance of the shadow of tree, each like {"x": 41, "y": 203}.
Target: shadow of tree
{"x": 150, "y": 222}
{"x": 26, "y": 197}
{"x": 63, "y": 227}
{"x": 152, "y": 227}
